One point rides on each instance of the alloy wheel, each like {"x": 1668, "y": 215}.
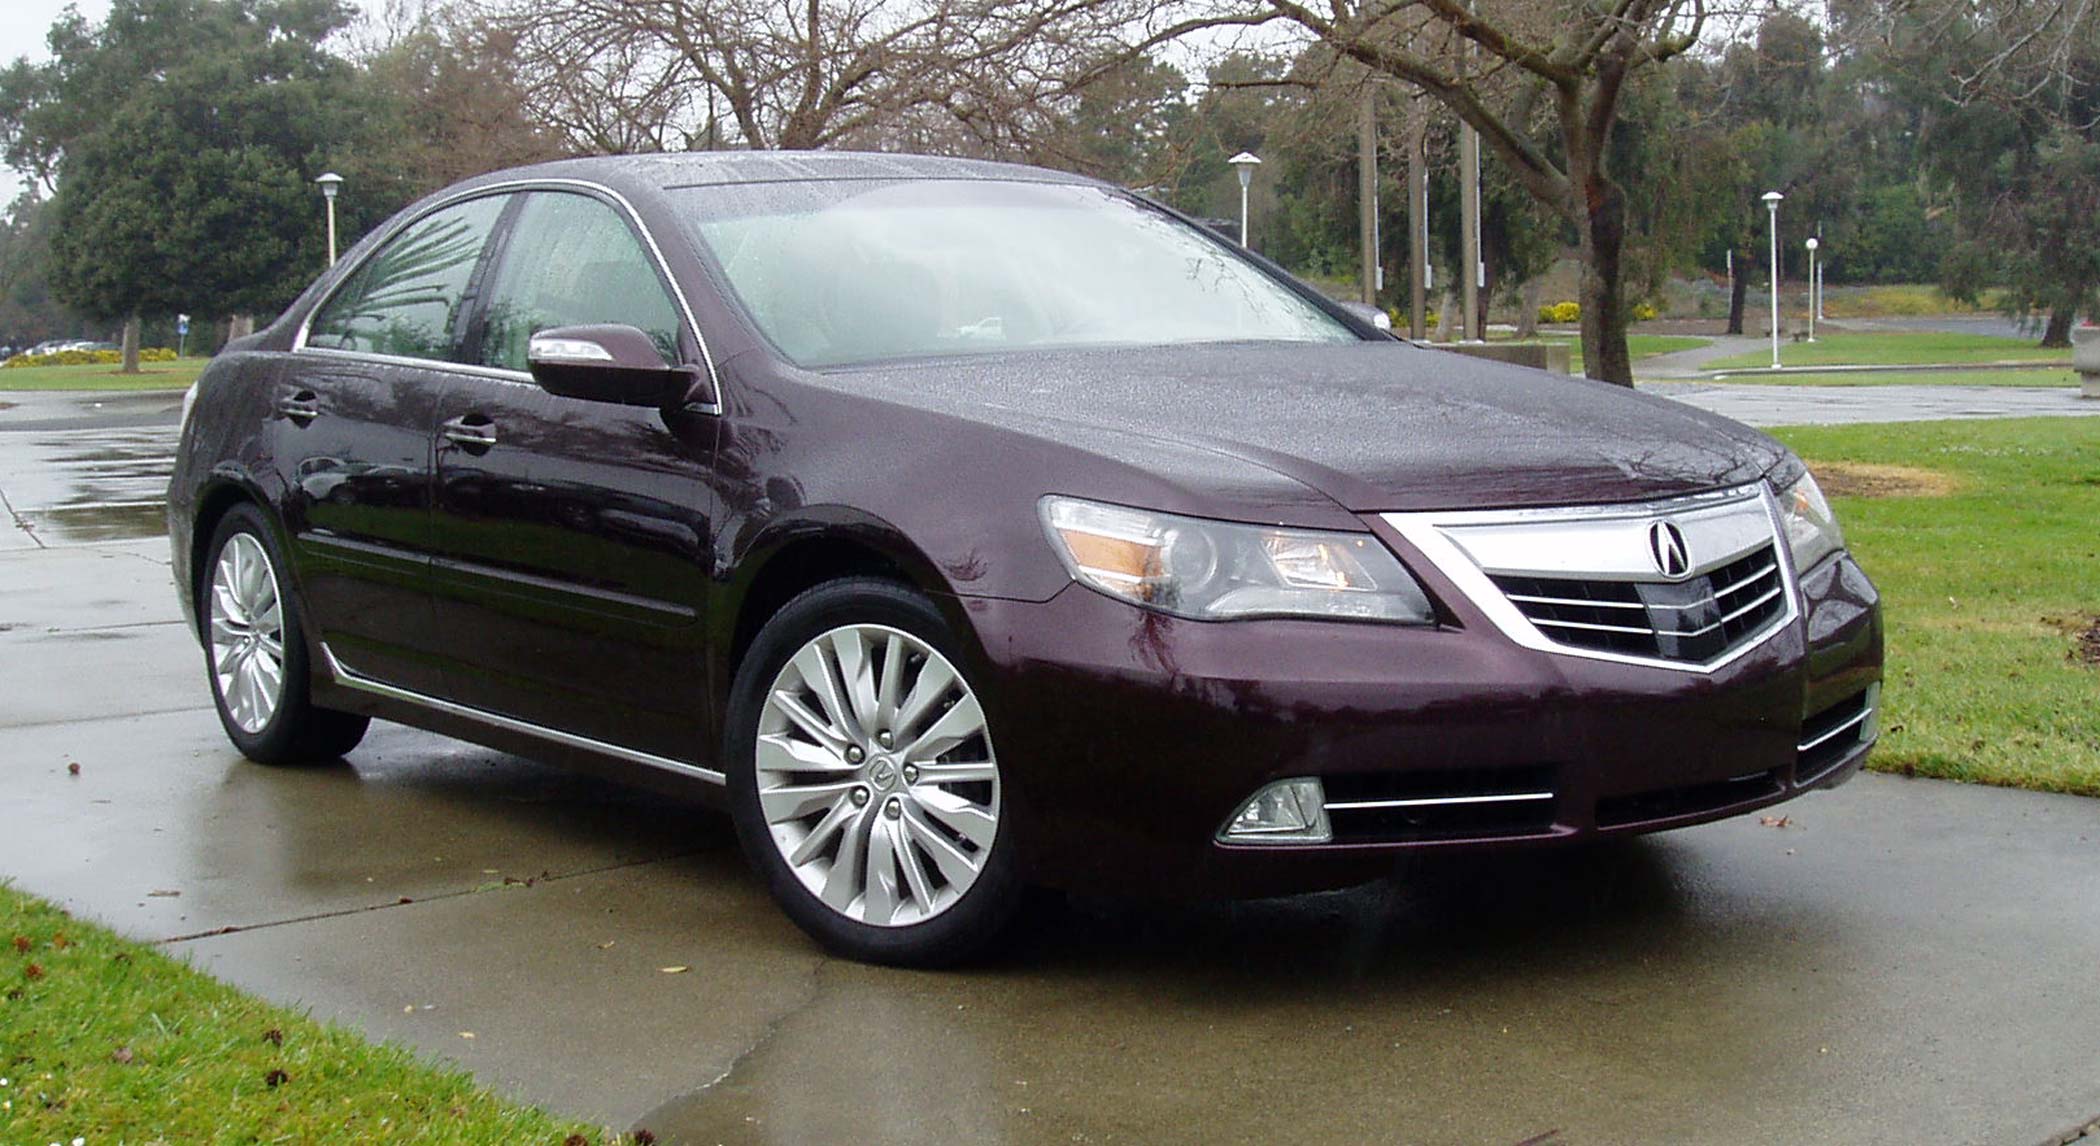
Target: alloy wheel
{"x": 247, "y": 633}
{"x": 876, "y": 776}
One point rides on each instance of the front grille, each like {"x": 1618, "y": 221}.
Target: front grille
{"x": 1829, "y": 736}
{"x": 1692, "y": 621}
{"x": 1453, "y": 803}
{"x": 1690, "y": 800}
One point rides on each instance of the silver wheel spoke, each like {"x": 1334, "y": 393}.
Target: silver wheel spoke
{"x": 952, "y": 773}
{"x": 964, "y": 818}
{"x": 801, "y": 801}
{"x": 850, "y": 783}
{"x": 955, "y": 726}
{"x": 779, "y": 753}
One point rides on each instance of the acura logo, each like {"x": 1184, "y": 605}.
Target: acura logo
{"x": 1666, "y": 546}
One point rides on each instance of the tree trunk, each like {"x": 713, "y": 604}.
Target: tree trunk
{"x": 1738, "y": 294}
{"x": 1447, "y": 316}
{"x": 1604, "y": 353}
{"x": 2057, "y": 335}
{"x": 131, "y": 345}
{"x": 1529, "y": 299}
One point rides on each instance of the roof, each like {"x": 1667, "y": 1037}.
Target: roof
{"x": 714, "y": 168}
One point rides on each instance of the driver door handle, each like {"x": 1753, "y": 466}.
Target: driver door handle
{"x": 474, "y": 431}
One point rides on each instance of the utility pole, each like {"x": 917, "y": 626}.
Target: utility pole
{"x": 1418, "y": 222}
{"x": 1367, "y": 193}
{"x": 1469, "y": 226}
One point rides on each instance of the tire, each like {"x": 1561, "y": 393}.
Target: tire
{"x": 251, "y": 623}
{"x": 882, "y": 825}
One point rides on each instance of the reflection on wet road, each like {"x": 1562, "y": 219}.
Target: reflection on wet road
{"x": 81, "y": 469}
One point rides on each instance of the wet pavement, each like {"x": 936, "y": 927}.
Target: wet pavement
{"x": 1902, "y": 961}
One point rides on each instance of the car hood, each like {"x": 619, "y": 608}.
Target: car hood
{"x": 1374, "y": 426}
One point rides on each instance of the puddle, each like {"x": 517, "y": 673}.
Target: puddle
{"x": 98, "y": 523}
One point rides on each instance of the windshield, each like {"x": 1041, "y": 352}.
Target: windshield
{"x": 855, "y": 271}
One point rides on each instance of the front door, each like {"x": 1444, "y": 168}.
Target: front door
{"x": 571, "y": 537}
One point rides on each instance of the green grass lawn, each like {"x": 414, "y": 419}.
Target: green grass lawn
{"x": 151, "y": 376}
{"x": 1985, "y": 591}
{"x": 112, "y": 1041}
{"x": 1895, "y": 348}
{"x": 1919, "y": 378}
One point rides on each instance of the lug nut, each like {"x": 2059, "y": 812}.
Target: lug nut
{"x": 911, "y": 773}
{"x": 886, "y": 738}
{"x": 893, "y": 809}
{"x": 854, "y": 754}
{"x": 860, "y": 797}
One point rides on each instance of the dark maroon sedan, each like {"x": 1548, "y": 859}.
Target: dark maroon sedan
{"x": 965, "y": 526}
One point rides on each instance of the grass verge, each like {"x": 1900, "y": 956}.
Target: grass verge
{"x": 1896, "y": 348}
{"x": 151, "y": 376}
{"x": 112, "y": 1041}
{"x": 1639, "y": 346}
{"x": 1988, "y": 591}
{"x": 2045, "y": 378}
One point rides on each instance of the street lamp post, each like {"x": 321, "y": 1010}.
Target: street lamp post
{"x": 329, "y": 183}
{"x": 1244, "y": 163}
{"x": 1815, "y": 302}
{"x": 1772, "y": 200}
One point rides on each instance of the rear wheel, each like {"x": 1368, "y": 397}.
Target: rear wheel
{"x": 864, "y": 781}
{"x": 255, "y": 652}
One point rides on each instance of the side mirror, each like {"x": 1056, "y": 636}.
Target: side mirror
{"x": 1370, "y": 314}
{"x": 610, "y": 363}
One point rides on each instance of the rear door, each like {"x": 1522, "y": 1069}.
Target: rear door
{"x": 571, "y": 541}
{"x": 357, "y": 409}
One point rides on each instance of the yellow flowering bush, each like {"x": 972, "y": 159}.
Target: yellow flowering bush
{"x": 1561, "y": 313}
{"x": 90, "y": 357}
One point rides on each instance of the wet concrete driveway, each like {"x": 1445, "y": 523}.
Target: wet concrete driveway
{"x": 1902, "y": 961}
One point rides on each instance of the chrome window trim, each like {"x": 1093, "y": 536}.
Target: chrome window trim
{"x": 1426, "y": 531}
{"x": 663, "y": 266}
{"x": 349, "y": 678}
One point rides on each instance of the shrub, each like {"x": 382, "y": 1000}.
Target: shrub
{"x": 1643, "y": 311}
{"x": 90, "y": 357}
{"x": 1561, "y": 313}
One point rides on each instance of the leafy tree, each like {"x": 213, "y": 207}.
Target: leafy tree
{"x": 183, "y": 137}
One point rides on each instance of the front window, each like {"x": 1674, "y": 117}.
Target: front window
{"x": 837, "y": 272}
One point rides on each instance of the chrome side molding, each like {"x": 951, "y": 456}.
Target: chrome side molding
{"x": 350, "y": 678}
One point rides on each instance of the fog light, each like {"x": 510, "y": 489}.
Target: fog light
{"x": 1285, "y": 812}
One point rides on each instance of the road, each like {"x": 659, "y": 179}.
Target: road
{"x": 1900, "y": 961}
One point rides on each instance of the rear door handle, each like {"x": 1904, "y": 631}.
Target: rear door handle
{"x": 301, "y": 407}
{"x": 474, "y": 431}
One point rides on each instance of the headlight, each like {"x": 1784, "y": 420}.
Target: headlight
{"x": 1215, "y": 570}
{"x": 1811, "y": 529}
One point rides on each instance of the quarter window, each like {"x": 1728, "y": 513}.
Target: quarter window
{"x": 572, "y": 261}
{"x": 408, "y": 298}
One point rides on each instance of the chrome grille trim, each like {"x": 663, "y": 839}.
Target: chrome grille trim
{"x": 1439, "y": 802}
{"x": 1604, "y": 546}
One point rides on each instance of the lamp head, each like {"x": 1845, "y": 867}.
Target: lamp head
{"x": 1772, "y": 199}
{"x": 329, "y": 183}
{"x": 1244, "y": 163}
{"x": 1812, "y": 243}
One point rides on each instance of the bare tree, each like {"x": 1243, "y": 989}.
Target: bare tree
{"x": 1540, "y": 79}
{"x": 626, "y": 75}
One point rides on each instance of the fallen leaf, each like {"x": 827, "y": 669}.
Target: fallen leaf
{"x": 607, "y": 945}
{"x": 72, "y": 769}
{"x": 33, "y": 971}
{"x": 466, "y": 1034}
{"x": 274, "y": 1037}
{"x": 678, "y": 970}
{"x": 22, "y": 944}
{"x": 404, "y": 900}
{"x": 121, "y": 1055}
{"x": 575, "y": 1140}
{"x": 60, "y": 941}
{"x": 1776, "y": 821}
{"x": 642, "y": 1137}
{"x": 162, "y": 893}
{"x": 275, "y": 1079}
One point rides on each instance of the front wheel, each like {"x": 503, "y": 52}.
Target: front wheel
{"x": 255, "y": 652}
{"x": 864, "y": 781}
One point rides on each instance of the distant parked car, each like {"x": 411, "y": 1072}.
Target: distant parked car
{"x": 960, "y": 526}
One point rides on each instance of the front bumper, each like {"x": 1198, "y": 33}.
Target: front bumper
{"x": 1129, "y": 737}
